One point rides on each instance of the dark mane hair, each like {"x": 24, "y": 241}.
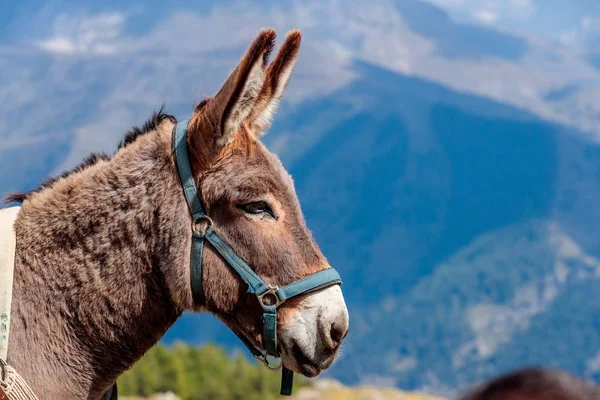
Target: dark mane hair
{"x": 131, "y": 136}
{"x": 149, "y": 126}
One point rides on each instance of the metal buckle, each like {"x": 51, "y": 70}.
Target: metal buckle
{"x": 264, "y": 358}
{"x": 201, "y": 224}
{"x": 271, "y": 293}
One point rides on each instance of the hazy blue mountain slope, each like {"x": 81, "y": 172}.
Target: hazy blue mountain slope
{"x": 484, "y": 310}
{"x": 502, "y": 172}
{"x": 459, "y": 40}
{"x": 565, "y": 336}
{"x": 578, "y": 191}
{"x": 416, "y": 174}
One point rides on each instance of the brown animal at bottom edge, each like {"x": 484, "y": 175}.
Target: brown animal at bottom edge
{"x": 535, "y": 384}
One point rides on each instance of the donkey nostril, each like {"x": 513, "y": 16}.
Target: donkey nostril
{"x": 337, "y": 333}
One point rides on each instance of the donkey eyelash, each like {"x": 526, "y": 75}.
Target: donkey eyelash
{"x": 257, "y": 207}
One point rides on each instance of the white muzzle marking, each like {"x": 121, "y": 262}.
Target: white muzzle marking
{"x": 311, "y": 339}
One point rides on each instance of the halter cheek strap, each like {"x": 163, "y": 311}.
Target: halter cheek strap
{"x": 269, "y": 297}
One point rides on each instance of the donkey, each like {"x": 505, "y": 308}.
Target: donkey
{"x": 102, "y": 265}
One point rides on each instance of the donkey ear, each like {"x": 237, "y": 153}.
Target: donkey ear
{"x": 226, "y": 110}
{"x": 277, "y": 76}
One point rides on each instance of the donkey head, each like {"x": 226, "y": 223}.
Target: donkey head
{"x": 251, "y": 199}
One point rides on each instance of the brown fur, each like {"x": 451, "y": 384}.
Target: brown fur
{"x": 535, "y": 384}
{"x": 103, "y": 253}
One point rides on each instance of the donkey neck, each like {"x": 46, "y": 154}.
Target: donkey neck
{"x": 98, "y": 279}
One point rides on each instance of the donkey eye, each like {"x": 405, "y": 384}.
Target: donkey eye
{"x": 257, "y": 207}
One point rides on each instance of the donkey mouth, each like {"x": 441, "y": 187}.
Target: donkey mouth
{"x": 305, "y": 365}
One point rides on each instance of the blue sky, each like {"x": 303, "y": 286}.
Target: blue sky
{"x": 83, "y": 72}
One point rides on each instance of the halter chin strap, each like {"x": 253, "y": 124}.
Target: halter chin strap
{"x": 269, "y": 297}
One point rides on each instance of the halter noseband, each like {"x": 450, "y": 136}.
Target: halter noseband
{"x": 269, "y": 297}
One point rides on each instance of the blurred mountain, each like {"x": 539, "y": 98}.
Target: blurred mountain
{"x": 514, "y": 297}
{"x": 428, "y": 155}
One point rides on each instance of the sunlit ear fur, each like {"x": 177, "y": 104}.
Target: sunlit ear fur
{"x": 216, "y": 122}
{"x": 239, "y": 109}
{"x": 277, "y": 76}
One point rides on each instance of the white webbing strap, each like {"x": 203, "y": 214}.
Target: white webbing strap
{"x": 11, "y": 382}
{"x": 7, "y": 263}
{"x": 14, "y": 387}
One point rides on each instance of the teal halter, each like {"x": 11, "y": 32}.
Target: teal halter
{"x": 268, "y": 296}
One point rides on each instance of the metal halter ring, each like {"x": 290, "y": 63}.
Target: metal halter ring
{"x": 269, "y": 298}
{"x": 197, "y": 226}
{"x": 263, "y": 358}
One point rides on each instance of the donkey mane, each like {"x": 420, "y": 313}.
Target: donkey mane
{"x": 91, "y": 159}
{"x": 130, "y": 136}
{"x": 150, "y": 125}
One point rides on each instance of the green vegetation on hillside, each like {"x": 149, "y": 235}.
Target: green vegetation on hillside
{"x": 195, "y": 373}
